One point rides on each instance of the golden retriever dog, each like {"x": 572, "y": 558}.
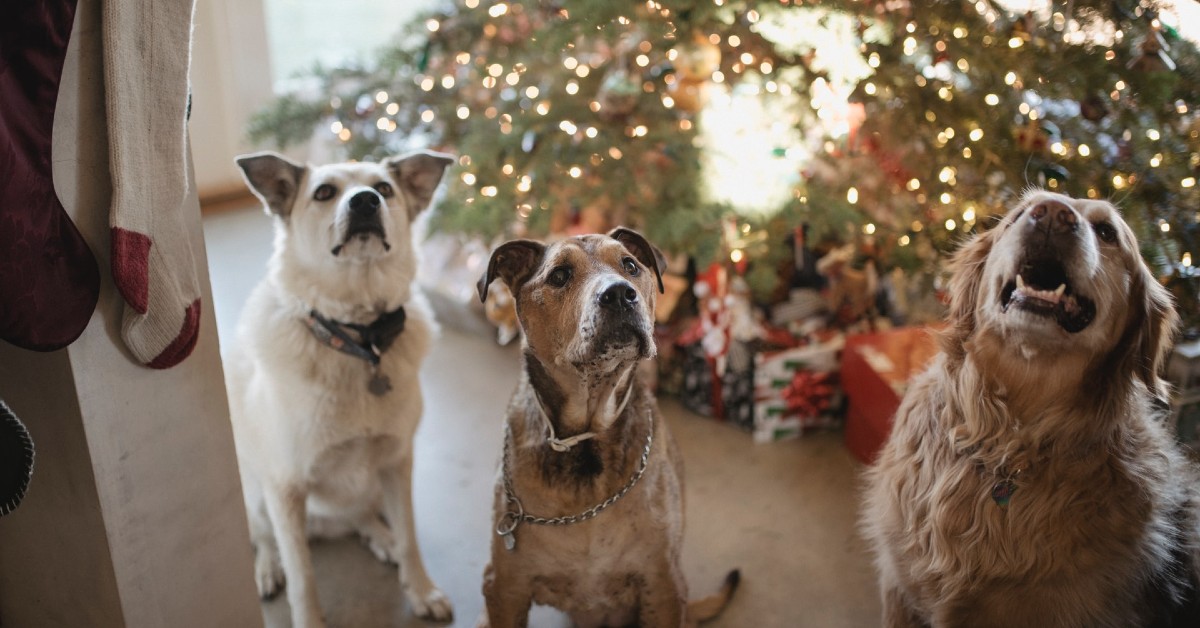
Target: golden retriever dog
{"x": 1030, "y": 479}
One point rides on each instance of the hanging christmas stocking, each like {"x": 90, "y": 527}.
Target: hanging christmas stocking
{"x": 147, "y": 47}
{"x": 49, "y": 281}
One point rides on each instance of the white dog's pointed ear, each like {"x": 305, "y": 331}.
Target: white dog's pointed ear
{"x": 646, "y": 253}
{"x": 514, "y": 262}
{"x": 274, "y": 179}
{"x": 418, "y": 174}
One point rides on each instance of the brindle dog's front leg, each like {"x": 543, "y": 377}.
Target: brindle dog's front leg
{"x": 507, "y": 598}
{"x": 664, "y": 599}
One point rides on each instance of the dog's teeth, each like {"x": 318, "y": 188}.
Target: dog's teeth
{"x": 1020, "y": 283}
{"x": 1062, "y": 287}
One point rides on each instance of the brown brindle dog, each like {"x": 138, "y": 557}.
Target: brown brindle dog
{"x": 589, "y": 503}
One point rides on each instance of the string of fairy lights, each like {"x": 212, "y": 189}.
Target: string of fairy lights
{"x": 927, "y": 47}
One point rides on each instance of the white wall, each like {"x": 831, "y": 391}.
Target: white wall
{"x": 234, "y": 75}
{"x": 231, "y": 78}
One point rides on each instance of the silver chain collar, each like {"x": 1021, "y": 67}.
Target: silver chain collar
{"x": 515, "y": 516}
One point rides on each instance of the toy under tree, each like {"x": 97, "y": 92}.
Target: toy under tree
{"x": 578, "y": 115}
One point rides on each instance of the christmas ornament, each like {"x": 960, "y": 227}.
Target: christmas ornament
{"x": 1093, "y": 108}
{"x": 1036, "y": 136}
{"x": 49, "y": 280}
{"x": 695, "y": 63}
{"x": 1024, "y": 29}
{"x": 1153, "y": 57}
{"x": 619, "y": 93}
{"x": 697, "y": 59}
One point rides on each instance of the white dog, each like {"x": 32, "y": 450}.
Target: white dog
{"x": 323, "y": 377}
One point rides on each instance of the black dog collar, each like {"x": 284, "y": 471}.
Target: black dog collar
{"x": 374, "y": 339}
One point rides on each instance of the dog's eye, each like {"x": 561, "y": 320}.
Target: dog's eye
{"x": 324, "y": 192}
{"x": 385, "y": 189}
{"x": 559, "y": 276}
{"x": 1106, "y": 232}
{"x": 631, "y": 266}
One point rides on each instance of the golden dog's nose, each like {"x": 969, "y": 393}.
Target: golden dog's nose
{"x": 1054, "y": 216}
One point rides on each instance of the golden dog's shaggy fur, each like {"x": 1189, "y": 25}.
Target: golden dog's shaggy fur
{"x": 1102, "y": 527}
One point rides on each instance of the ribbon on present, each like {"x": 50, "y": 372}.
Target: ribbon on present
{"x": 809, "y": 393}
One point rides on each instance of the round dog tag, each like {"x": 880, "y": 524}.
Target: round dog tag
{"x": 379, "y": 384}
{"x": 1002, "y": 492}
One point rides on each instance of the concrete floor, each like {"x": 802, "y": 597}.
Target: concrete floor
{"x": 783, "y": 513}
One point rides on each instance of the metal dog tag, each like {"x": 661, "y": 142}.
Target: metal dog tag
{"x": 379, "y": 384}
{"x": 1002, "y": 492}
{"x": 510, "y": 541}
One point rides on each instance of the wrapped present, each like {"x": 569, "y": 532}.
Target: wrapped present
{"x": 775, "y": 370}
{"x": 875, "y": 373}
{"x": 797, "y": 390}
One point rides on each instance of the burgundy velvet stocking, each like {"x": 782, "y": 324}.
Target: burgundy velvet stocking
{"x": 49, "y": 281}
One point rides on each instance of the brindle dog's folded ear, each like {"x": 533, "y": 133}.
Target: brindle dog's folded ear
{"x": 646, "y": 253}
{"x": 514, "y": 262}
{"x": 274, "y": 179}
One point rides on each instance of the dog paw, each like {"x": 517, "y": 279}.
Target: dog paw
{"x": 268, "y": 575}
{"x": 433, "y": 605}
{"x": 382, "y": 553}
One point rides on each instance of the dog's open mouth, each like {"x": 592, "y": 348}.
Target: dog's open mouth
{"x": 1042, "y": 287}
{"x": 362, "y": 232}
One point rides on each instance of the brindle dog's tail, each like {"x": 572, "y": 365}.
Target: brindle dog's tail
{"x": 706, "y": 608}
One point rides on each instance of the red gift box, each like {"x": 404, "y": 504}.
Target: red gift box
{"x": 876, "y": 369}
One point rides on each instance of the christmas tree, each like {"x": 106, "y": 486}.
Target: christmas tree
{"x": 896, "y": 127}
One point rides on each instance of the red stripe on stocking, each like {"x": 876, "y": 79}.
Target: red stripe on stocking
{"x": 183, "y": 344}
{"x": 131, "y": 267}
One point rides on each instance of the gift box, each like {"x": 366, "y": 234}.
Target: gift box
{"x": 876, "y": 370}
{"x": 797, "y": 390}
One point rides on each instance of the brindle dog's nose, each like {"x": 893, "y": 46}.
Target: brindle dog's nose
{"x": 1054, "y": 217}
{"x": 365, "y": 204}
{"x": 619, "y": 297}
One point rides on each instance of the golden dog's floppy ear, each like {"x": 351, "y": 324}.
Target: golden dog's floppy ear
{"x": 273, "y": 178}
{"x": 418, "y": 174}
{"x": 1151, "y": 329}
{"x": 646, "y": 253}
{"x": 514, "y": 262}
{"x": 966, "y": 268}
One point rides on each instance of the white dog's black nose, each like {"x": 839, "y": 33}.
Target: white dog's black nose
{"x": 1054, "y": 217}
{"x": 618, "y": 297}
{"x": 364, "y": 204}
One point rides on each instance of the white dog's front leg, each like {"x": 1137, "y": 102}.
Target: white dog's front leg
{"x": 286, "y": 506}
{"x": 427, "y": 600}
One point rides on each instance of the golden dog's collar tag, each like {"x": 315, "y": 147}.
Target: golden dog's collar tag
{"x": 379, "y": 384}
{"x": 1002, "y": 492}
